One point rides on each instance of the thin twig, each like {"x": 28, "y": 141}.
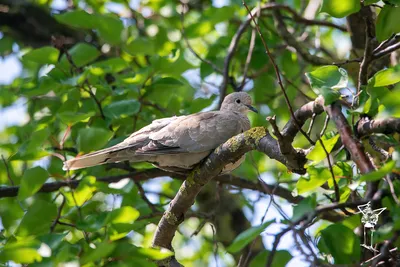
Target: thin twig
{"x": 325, "y": 125}
{"x": 248, "y": 58}
{"x": 98, "y": 104}
{"x": 278, "y": 76}
{"x": 7, "y": 170}
{"x": 144, "y": 197}
{"x": 337, "y": 194}
{"x": 386, "y": 51}
{"x": 348, "y": 61}
{"x": 215, "y": 67}
{"x": 311, "y": 123}
{"x": 392, "y": 191}
{"x": 368, "y": 52}
{"x": 56, "y": 220}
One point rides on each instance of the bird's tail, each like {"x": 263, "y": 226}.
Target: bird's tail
{"x": 103, "y": 156}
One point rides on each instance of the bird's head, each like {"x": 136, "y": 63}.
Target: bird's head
{"x": 238, "y": 102}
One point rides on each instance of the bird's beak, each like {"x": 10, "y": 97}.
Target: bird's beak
{"x": 252, "y": 108}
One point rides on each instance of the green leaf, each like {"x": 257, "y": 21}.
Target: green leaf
{"x": 109, "y": 27}
{"x": 123, "y": 215}
{"x": 122, "y": 109}
{"x": 317, "y": 153}
{"x": 23, "y": 252}
{"x": 388, "y": 22}
{"x": 31, "y": 182}
{"x": 113, "y": 65}
{"x": 141, "y": 46}
{"x": 92, "y": 222}
{"x": 102, "y": 250}
{"x": 83, "y": 192}
{"x": 329, "y": 95}
{"x": 328, "y": 76}
{"x": 247, "y": 236}
{"x": 281, "y": 258}
{"x": 385, "y": 77}
{"x": 70, "y": 117}
{"x": 340, "y": 8}
{"x": 316, "y": 178}
{"x": 307, "y": 205}
{"x": 32, "y": 148}
{"x": 6, "y": 44}
{"x": 173, "y": 65}
{"x": 43, "y": 55}
{"x": 53, "y": 240}
{"x": 38, "y": 219}
{"x": 77, "y": 18}
{"x": 221, "y": 14}
{"x": 166, "y": 83}
{"x": 378, "y": 174}
{"x": 341, "y": 243}
{"x": 82, "y": 54}
{"x": 154, "y": 253}
{"x": 90, "y": 139}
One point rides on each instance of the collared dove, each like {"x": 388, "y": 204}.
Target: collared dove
{"x": 177, "y": 143}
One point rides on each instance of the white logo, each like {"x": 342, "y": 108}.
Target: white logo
{"x": 369, "y": 219}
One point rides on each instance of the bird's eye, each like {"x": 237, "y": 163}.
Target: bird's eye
{"x": 238, "y": 101}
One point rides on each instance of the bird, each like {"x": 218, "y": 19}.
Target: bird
{"x": 178, "y": 143}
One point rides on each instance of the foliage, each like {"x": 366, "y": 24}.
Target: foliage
{"x": 92, "y": 72}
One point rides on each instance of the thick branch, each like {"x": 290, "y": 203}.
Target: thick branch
{"x": 353, "y": 145}
{"x": 302, "y": 115}
{"x": 385, "y": 126}
{"x": 233, "y": 149}
{"x": 12, "y": 191}
{"x": 33, "y": 25}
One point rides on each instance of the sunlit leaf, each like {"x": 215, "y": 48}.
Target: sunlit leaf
{"x": 328, "y": 76}
{"x": 43, "y": 55}
{"x": 154, "y": 253}
{"x": 83, "y": 192}
{"x": 23, "y": 252}
{"x": 386, "y": 77}
{"x": 318, "y": 153}
{"x": 317, "y": 176}
{"x": 123, "y": 215}
{"x": 378, "y": 174}
{"x": 340, "y": 8}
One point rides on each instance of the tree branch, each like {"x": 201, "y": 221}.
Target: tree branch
{"x": 291, "y": 41}
{"x": 353, "y": 145}
{"x": 385, "y": 126}
{"x": 242, "y": 28}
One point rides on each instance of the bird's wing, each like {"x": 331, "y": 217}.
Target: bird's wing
{"x": 120, "y": 152}
{"x": 198, "y": 132}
